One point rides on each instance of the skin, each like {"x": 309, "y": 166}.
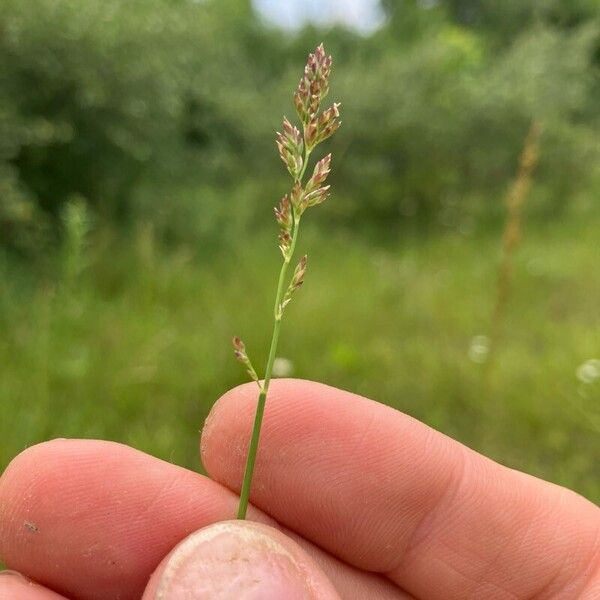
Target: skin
{"x": 368, "y": 502}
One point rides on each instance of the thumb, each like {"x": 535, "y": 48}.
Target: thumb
{"x": 238, "y": 560}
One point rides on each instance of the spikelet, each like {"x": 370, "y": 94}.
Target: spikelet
{"x": 295, "y": 283}
{"x": 314, "y": 85}
{"x": 239, "y": 349}
{"x": 290, "y": 145}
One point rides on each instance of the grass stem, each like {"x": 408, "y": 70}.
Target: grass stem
{"x": 262, "y": 397}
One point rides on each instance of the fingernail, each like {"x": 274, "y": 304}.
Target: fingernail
{"x": 235, "y": 559}
{"x": 11, "y": 573}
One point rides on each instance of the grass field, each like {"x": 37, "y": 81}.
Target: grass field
{"x": 137, "y": 348}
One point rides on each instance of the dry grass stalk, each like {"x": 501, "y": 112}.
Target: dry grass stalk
{"x": 515, "y": 200}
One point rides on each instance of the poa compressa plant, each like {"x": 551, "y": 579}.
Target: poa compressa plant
{"x": 295, "y": 149}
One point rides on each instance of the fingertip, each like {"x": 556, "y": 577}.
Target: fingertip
{"x": 25, "y": 457}
{"x": 49, "y": 450}
{"x": 78, "y": 515}
{"x": 223, "y": 434}
{"x": 46, "y": 465}
{"x": 239, "y": 559}
{"x": 214, "y": 446}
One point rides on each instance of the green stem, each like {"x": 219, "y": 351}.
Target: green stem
{"x": 262, "y": 397}
{"x": 306, "y": 157}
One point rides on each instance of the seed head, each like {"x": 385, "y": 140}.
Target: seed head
{"x": 283, "y": 213}
{"x": 290, "y": 146}
{"x": 329, "y": 115}
{"x": 311, "y": 132}
{"x": 314, "y": 85}
{"x": 315, "y": 193}
{"x": 317, "y": 70}
{"x": 296, "y": 195}
{"x": 328, "y": 123}
{"x": 292, "y": 134}
{"x": 239, "y": 349}
{"x": 299, "y": 272}
{"x": 315, "y": 197}
{"x": 320, "y": 173}
{"x": 295, "y": 146}
{"x": 295, "y": 283}
{"x": 285, "y": 241}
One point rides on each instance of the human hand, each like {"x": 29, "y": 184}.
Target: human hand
{"x": 373, "y": 501}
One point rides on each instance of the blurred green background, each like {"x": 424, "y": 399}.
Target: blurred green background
{"x": 137, "y": 179}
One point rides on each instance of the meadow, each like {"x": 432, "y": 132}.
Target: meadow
{"x": 128, "y": 338}
{"x": 138, "y": 173}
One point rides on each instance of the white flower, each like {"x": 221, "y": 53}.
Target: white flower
{"x": 479, "y": 348}
{"x": 282, "y": 367}
{"x": 589, "y": 371}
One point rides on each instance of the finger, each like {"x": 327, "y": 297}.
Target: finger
{"x": 13, "y": 586}
{"x": 386, "y": 493}
{"x": 93, "y": 519}
{"x": 349, "y": 581}
{"x": 239, "y": 559}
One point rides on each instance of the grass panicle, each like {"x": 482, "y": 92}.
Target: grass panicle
{"x": 295, "y": 146}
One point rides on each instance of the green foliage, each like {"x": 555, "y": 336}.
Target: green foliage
{"x": 95, "y": 96}
{"x": 440, "y": 120}
{"x": 502, "y": 20}
{"x": 139, "y": 350}
{"x": 76, "y": 225}
{"x": 93, "y": 93}
{"x": 139, "y": 106}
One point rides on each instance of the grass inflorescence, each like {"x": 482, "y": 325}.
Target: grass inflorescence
{"x": 295, "y": 148}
